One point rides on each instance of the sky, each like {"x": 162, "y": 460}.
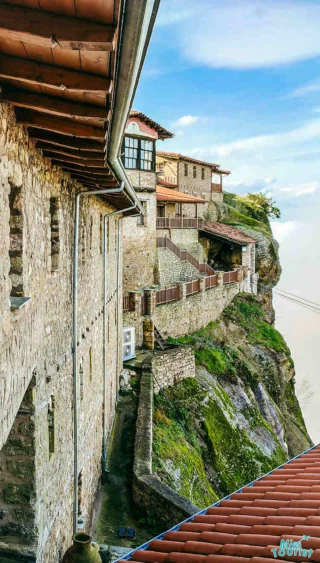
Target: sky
{"x": 238, "y": 83}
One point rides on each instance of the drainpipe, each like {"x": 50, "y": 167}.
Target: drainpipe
{"x": 74, "y": 340}
{"x": 105, "y": 264}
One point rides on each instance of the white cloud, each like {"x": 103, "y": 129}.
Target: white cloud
{"x": 186, "y": 120}
{"x": 282, "y": 229}
{"x": 306, "y": 89}
{"x": 250, "y": 145}
{"x": 246, "y": 34}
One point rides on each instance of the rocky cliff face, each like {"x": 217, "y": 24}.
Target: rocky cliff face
{"x": 240, "y": 417}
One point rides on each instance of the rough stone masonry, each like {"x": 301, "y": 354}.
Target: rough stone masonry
{"x": 36, "y": 408}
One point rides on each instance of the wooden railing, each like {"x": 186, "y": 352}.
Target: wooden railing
{"x": 179, "y": 223}
{"x": 127, "y": 303}
{"x": 144, "y": 304}
{"x": 203, "y": 268}
{"x": 230, "y": 277}
{"x": 216, "y": 188}
{"x": 167, "y": 295}
{"x": 211, "y": 281}
{"x": 192, "y": 287}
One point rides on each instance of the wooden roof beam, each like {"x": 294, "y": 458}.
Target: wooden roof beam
{"x": 78, "y": 162}
{"x": 89, "y": 172}
{"x": 58, "y": 124}
{"x": 77, "y": 153}
{"x": 51, "y": 104}
{"x": 53, "y": 30}
{"x": 51, "y": 75}
{"x": 66, "y": 140}
{"x": 80, "y": 175}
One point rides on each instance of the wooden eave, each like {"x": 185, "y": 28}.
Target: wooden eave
{"x": 58, "y": 62}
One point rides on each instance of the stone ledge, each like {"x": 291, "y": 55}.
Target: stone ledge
{"x": 149, "y": 493}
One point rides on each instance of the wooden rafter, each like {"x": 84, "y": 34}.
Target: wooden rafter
{"x": 55, "y": 157}
{"x": 50, "y": 75}
{"x": 66, "y": 140}
{"x": 77, "y": 153}
{"x": 51, "y": 104}
{"x": 58, "y": 124}
{"x": 52, "y": 30}
{"x": 90, "y": 172}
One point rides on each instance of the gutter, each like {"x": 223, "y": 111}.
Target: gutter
{"x": 138, "y": 17}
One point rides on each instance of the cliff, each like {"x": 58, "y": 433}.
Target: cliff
{"x": 239, "y": 418}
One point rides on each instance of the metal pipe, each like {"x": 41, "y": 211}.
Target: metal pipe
{"x": 105, "y": 264}
{"x": 74, "y": 341}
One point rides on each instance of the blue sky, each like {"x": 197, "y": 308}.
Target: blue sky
{"x": 238, "y": 82}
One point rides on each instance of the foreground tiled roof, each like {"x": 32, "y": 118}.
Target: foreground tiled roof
{"x": 165, "y": 194}
{"x": 245, "y": 526}
{"x": 231, "y": 234}
{"x": 178, "y": 156}
{"x": 162, "y": 132}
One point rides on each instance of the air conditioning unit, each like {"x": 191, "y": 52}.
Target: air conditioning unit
{"x": 128, "y": 346}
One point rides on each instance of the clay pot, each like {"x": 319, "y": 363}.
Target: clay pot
{"x": 82, "y": 550}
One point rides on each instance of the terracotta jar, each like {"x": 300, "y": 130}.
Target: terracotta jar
{"x": 82, "y": 550}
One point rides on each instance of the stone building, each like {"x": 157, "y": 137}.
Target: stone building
{"x": 192, "y": 176}
{"x": 139, "y": 236}
{"x": 62, "y": 120}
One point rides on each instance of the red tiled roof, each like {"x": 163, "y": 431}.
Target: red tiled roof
{"x": 231, "y": 234}
{"x": 165, "y": 183}
{"x": 245, "y": 526}
{"x": 164, "y": 194}
{"x": 162, "y": 132}
{"x": 178, "y": 156}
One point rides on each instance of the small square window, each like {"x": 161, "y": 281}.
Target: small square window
{"x": 194, "y": 171}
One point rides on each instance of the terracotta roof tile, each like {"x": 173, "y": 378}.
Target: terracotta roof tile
{"x": 285, "y": 504}
{"x": 230, "y": 234}
{"x": 166, "y": 183}
{"x": 169, "y": 195}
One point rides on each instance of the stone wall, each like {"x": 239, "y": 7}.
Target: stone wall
{"x": 188, "y": 314}
{"x": 171, "y": 366}
{"x": 139, "y": 236}
{"x": 172, "y": 270}
{"x": 152, "y": 496}
{"x": 194, "y": 312}
{"x": 187, "y": 239}
{"x": 36, "y": 341}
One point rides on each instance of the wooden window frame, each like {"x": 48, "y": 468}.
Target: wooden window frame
{"x": 139, "y": 149}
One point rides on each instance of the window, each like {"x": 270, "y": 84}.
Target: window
{"x": 80, "y": 494}
{"x": 90, "y": 364}
{"x": 203, "y": 173}
{"x": 51, "y": 408}
{"x": 142, "y": 219}
{"x": 139, "y": 154}
{"x": 160, "y": 167}
{"x": 186, "y": 170}
{"x": 194, "y": 171}
{"x": 55, "y": 232}
{"x": 161, "y": 211}
{"x": 101, "y": 233}
{"x": 91, "y": 234}
{"x": 83, "y": 240}
{"x": 16, "y": 242}
{"x": 81, "y": 380}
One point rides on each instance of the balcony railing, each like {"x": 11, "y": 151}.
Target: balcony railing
{"x": 179, "y": 223}
{"x": 127, "y": 303}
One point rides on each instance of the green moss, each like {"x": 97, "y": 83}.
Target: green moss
{"x": 200, "y": 440}
{"x": 234, "y": 217}
{"x": 247, "y": 312}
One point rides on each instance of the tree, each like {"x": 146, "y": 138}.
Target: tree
{"x": 267, "y": 204}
